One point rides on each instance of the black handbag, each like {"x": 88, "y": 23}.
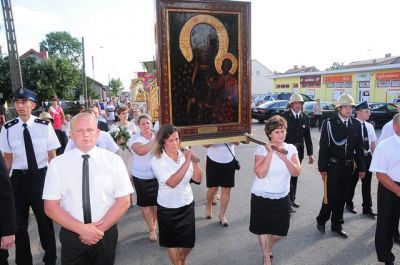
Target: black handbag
{"x": 237, "y": 164}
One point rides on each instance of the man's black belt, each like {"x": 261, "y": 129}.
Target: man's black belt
{"x": 27, "y": 171}
{"x": 341, "y": 161}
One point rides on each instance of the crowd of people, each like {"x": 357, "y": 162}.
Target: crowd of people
{"x": 80, "y": 172}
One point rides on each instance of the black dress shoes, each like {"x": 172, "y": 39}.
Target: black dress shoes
{"x": 292, "y": 210}
{"x": 351, "y": 209}
{"x": 340, "y": 232}
{"x": 294, "y": 204}
{"x": 321, "y": 228}
{"x": 369, "y": 213}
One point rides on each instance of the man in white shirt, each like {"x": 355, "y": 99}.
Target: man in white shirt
{"x": 368, "y": 139}
{"x": 387, "y": 167}
{"x": 88, "y": 198}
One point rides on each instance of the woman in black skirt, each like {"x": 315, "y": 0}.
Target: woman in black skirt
{"x": 220, "y": 172}
{"x": 146, "y": 184}
{"x": 174, "y": 171}
{"x": 274, "y": 164}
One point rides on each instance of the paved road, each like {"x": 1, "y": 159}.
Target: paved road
{"x": 216, "y": 245}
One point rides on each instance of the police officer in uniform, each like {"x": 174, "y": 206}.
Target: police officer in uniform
{"x": 298, "y": 133}
{"x": 368, "y": 140}
{"x": 340, "y": 146}
{"x": 28, "y": 144}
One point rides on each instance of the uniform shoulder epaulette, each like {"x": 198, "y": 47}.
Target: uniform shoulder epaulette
{"x": 11, "y": 123}
{"x": 42, "y": 121}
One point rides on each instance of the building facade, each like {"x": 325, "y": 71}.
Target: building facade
{"x": 261, "y": 83}
{"x": 377, "y": 83}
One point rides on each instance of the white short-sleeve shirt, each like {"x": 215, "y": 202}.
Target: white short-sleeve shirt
{"x": 371, "y": 132}
{"x": 387, "y": 131}
{"x": 220, "y": 153}
{"x": 108, "y": 179}
{"x": 163, "y": 168}
{"x": 44, "y": 139}
{"x": 276, "y": 184}
{"x": 386, "y": 159}
{"x": 104, "y": 141}
{"x": 141, "y": 165}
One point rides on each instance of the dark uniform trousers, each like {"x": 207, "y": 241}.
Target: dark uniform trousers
{"x": 293, "y": 180}
{"x": 388, "y": 213}
{"x": 28, "y": 190}
{"x": 74, "y": 252}
{"x": 338, "y": 183}
{"x": 366, "y": 185}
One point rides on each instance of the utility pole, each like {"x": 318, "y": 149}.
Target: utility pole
{"x": 15, "y": 67}
{"x": 84, "y": 83}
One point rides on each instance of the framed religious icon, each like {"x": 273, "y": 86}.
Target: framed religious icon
{"x": 203, "y": 64}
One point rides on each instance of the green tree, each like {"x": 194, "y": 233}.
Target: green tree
{"x": 54, "y": 76}
{"x": 335, "y": 66}
{"x": 5, "y": 80}
{"x": 116, "y": 87}
{"x": 62, "y": 44}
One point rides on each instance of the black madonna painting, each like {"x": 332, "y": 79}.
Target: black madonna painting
{"x": 204, "y": 65}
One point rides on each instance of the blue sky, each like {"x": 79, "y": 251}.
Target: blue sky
{"x": 284, "y": 32}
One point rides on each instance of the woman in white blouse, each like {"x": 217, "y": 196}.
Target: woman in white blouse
{"x": 174, "y": 171}
{"x": 146, "y": 184}
{"x": 270, "y": 205}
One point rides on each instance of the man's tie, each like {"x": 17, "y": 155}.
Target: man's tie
{"x": 365, "y": 137}
{"x": 87, "y": 214}
{"x": 30, "y": 153}
{"x": 345, "y": 124}
{"x": 297, "y": 116}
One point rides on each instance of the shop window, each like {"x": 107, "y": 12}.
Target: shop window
{"x": 395, "y": 83}
{"x": 363, "y": 84}
{"x": 339, "y": 85}
{"x": 348, "y": 84}
{"x": 330, "y": 85}
{"x": 383, "y": 83}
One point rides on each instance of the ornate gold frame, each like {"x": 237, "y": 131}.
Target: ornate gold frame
{"x": 206, "y": 9}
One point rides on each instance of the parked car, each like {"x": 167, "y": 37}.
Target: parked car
{"x": 328, "y": 110}
{"x": 381, "y": 113}
{"x": 268, "y": 109}
{"x": 278, "y": 96}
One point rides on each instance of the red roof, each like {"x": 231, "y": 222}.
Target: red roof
{"x": 42, "y": 54}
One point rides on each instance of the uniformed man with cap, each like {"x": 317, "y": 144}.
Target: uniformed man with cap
{"x": 369, "y": 141}
{"x": 340, "y": 146}
{"x": 28, "y": 144}
{"x": 298, "y": 133}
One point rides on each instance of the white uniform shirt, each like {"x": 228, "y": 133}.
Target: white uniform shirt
{"x": 220, "y": 153}
{"x": 276, "y": 184}
{"x": 141, "y": 165}
{"x": 371, "y": 132}
{"x": 387, "y": 131}
{"x": 163, "y": 168}
{"x": 108, "y": 179}
{"x": 156, "y": 126}
{"x": 386, "y": 159}
{"x": 104, "y": 141}
{"x": 44, "y": 139}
